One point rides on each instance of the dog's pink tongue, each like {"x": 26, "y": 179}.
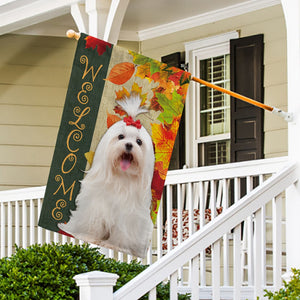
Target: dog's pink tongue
{"x": 125, "y": 164}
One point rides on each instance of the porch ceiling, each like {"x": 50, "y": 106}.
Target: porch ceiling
{"x": 143, "y": 19}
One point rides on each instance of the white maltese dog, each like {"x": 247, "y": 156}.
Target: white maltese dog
{"x": 113, "y": 205}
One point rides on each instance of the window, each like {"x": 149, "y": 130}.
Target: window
{"x": 214, "y": 112}
{"x": 208, "y": 110}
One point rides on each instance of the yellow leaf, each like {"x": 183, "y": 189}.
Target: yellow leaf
{"x": 164, "y": 138}
{"x": 89, "y": 156}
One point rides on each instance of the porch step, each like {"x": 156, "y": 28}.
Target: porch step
{"x": 206, "y": 293}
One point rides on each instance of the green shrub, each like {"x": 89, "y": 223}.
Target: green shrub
{"x": 290, "y": 291}
{"x": 46, "y": 272}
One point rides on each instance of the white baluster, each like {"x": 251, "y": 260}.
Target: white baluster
{"x": 202, "y": 196}
{"x": 237, "y": 276}
{"x": 9, "y": 229}
{"x": 149, "y": 255}
{"x": 120, "y": 256}
{"x": 213, "y": 199}
{"x": 249, "y": 229}
{"x": 277, "y": 241}
{"x": 224, "y": 204}
{"x": 216, "y": 276}
{"x": 32, "y": 223}
{"x": 48, "y": 240}
{"x": 258, "y": 287}
{"x": 40, "y": 230}
{"x": 152, "y": 294}
{"x": 24, "y": 224}
{"x": 2, "y": 224}
{"x": 173, "y": 286}
{"x": 263, "y": 240}
{"x": 194, "y": 282}
{"x": 169, "y": 216}
{"x": 179, "y": 228}
{"x": 17, "y": 224}
{"x": 55, "y": 237}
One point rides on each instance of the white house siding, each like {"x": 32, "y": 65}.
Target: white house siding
{"x": 33, "y": 80}
{"x": 34, "y": 75}
{"x": 270, "y": 22}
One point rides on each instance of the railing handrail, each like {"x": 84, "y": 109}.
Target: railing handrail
{"x": 231, "y": 170}
{"x": 241, "y": 169}
{"x": 22, "y": 194}
{"x": 210, "y": 233}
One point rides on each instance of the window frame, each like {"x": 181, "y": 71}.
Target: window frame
{"x": 196, "y": 51}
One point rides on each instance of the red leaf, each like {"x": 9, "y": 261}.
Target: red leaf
{"x": 159, "y": 177}
{"x": 176, "y": 77}
{"x": 119, "y": 110}
{"x": 92, "y": 42}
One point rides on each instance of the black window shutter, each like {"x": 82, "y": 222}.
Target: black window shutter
{"x": 246, "y": 77}
{"x": 178, "y": 155}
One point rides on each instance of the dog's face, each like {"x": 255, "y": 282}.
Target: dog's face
{"x": 129, "y": 150}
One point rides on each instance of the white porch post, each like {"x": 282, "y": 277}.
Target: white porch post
{"x": 292, "y": 18}
{"x": 96, "y": 285}
{"x": 101, "y": 18}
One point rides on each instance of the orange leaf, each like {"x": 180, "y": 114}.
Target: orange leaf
{"x": 112, "y": 119}
{"x": 121, "y": 94}
{"x": 121, "y": 73}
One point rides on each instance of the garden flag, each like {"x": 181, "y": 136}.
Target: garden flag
{"x": 119, "y": 123}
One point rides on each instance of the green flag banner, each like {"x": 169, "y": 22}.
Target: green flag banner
{"x": 119, "y": 124}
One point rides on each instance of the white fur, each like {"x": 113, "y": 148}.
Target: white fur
{"x": 132, "y": 106}
{"x": 113, "y": 206}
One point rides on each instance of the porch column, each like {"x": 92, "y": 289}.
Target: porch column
{"x": 291, "y": 10}
{"x": 104, "y": 17}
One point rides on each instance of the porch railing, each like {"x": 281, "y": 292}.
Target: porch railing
{"x": 214, "y": 233}
{"x": 192, "y": 197}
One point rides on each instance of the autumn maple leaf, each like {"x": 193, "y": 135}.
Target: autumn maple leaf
{"x": 182, "y": 90}
{"x": 163, "y": 139}
{"x": 171, "y": 108}
{"x": 143, "y": 71}
{"x": 158, "y": 181}
{"x": 176, "y": 76}
{"x": 94, "y": 43}
{"x": 154, "y": 105}
{"x": 136, "y": 89}
{"x": 119, "y": 110}
{"x": 121, "y": 94}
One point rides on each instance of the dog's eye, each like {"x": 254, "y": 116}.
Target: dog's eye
{"x": 121, "y": 137}
{"x": 139, "y": 142}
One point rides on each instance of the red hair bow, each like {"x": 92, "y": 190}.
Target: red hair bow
{"x": 130, "y": 122}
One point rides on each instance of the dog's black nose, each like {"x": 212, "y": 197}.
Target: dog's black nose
{"x": 128, "y": 146}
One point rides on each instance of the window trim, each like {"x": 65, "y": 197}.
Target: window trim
{"x": 196, "y": 50}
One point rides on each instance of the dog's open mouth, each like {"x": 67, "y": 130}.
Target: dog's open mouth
{"x": 126, "y": 160}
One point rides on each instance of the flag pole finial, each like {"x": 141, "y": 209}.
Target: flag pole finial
{"x": 71, "y": 34}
